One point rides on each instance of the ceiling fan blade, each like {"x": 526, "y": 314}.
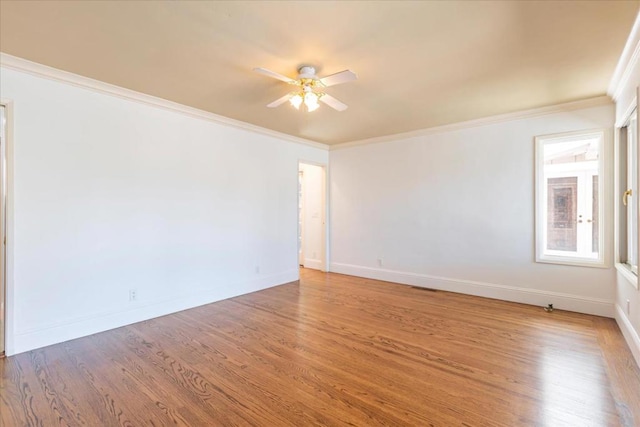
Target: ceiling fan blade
{"x": 273, "y": 74}
{"x": 279, "y": 101}
{"x": 333, "y": 103}
{"x": 338, "y": 78}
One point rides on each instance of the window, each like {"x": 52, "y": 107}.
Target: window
{"x": 569, "y": 187}
{"x": 628, "y": 210}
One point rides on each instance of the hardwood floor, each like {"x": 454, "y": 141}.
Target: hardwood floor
{"x": 334, "y": 350}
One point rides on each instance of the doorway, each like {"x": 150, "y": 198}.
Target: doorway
{"x": 312, "y": 216}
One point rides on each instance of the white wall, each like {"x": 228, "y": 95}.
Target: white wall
{"x": 625, "y": 96}
{"x": 313, "y": 216}
{"x": 111, "y": 195}
{"x": 455, "y": 211}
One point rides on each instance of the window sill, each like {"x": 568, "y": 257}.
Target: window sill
{"x": 572, "y": 261}
{"x": 625, "y": 271}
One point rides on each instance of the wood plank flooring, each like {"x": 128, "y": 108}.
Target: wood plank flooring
{"x": 334, "y": 350}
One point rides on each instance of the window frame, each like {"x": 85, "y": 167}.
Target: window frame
{"x": 623, "y": 175}
{"x": 541, "y": 200}
{"x": 630, "y": 184}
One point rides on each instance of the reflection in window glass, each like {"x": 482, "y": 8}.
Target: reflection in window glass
{"x": 561, "y": 214}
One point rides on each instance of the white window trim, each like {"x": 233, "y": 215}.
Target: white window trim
{"x": 602, "y": 261}
{"x": 623, "y": 268}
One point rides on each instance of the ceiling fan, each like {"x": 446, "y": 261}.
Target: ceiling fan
{"x": 309, "y": 85}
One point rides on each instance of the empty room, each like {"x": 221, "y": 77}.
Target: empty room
{"x": 300, "y": 213}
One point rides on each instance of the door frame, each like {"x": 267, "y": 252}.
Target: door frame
{"x": 324, "y": 250}
{"x": 6, "y": 230}
{"x": 300, "y": 216}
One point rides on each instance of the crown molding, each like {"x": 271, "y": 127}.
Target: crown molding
{"x": 627, "y": 62}
{"x": 40, "y": 70}
{"x": 500, "y": 118}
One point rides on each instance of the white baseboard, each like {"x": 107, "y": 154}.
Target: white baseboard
{"x": 596, "y": 306}
{"x": 315, "y": 264}
{"x": 629, "y": 333}
{"x": 100, "y": 322}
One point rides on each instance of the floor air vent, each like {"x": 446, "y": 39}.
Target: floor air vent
{"x": 420, "y": 288}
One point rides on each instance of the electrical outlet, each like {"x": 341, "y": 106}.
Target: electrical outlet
{"x": 133, "y": 295}
{"x": 628, "y": 307}
{"x": 380, "y": 262}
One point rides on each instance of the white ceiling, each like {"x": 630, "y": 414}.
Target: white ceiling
{"x": 420, "y": 64}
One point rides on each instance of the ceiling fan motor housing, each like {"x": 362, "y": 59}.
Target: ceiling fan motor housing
{"x": 307, "y": 72}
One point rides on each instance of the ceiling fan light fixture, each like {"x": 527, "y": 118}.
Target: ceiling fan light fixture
{"x": 311, "y": 101}
{"x": 296, "y": 101}
{"x": 307, "y": 82}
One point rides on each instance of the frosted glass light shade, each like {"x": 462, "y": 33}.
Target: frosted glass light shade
{"x": 296, "y": 101}
{"x": 311, "y": 101}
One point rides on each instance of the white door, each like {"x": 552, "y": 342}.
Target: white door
{"x": 311, "y": 220}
